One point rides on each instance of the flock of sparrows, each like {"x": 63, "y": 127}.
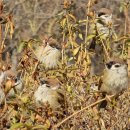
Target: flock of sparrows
{"x": 114, "y": 81}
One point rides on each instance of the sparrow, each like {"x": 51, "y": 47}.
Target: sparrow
{"x": 104, "y": 22}
{"x": 49, "y": 92}
{"x": 17, "y": 87}
{"x": 10, "y": 84}
{"x": 48, "y": 54}
{"x": 115, "y": 78}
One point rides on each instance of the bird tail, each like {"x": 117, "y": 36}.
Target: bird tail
{"x": 103, "y": 104}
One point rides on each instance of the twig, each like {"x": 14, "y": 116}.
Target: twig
{"x": 87, "y": 21}
{"x": 77, "y": 112}
{"x": 105, "y": 50}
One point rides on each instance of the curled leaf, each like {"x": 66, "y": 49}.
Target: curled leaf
{"x": 75, "y": 51}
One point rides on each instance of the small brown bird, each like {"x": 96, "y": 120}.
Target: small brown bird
{"x": 104, "y": 21}
{"x": 10, "y": 84}
{"x": 49, "y": 92}
{"x": 48, "y": 54}
{"x": 115, "y": 78}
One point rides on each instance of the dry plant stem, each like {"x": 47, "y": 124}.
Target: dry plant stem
{"x": 104, "y": 47}
{"x": 127, "y": 20}
{"x": 1, "y": 3}
{"x": 122, "y": 38}
{"x": 105, "y": 50}
{"x": 125, "y": 28}
{"x": 6, "y": 32}
{"x": 35, "y": 68}
{"x": 77, "y": 112}
{"x": 128, "y": 61}
{"x": 88, "y": 9}
{"x": 86, "y": 34}
{"x": 62, "y": 58}
{"x": 4, "y": 109}
{"x": 69, "y": 29}
{"x": 63, "y": 50}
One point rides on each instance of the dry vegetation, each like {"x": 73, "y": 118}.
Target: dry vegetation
{"x": 68, "y": 23}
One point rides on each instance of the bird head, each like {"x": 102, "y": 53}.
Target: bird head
{"x": 117, "y": 65}
{"x": 104, "y": 16}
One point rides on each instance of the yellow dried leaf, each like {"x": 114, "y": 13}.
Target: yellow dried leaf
{"x": 8, "y": 86}
{"x": 81, "y": 36}
{"x": 79, "y": 58}
{"x": 11, "y": 29}
{"x": 48, "y": 123}
{"x": 76, "y": 50}
{"x": 61, "y": 13}
{"x": 75, "y": 44}
{"x": 21, "y": 47}
{"x": 90, "y": 37}
{"x": 63, "y": 22}
{"x": 69, "y": 88}
{"x": 25, "y": 99}
{"x": 73, "y": 17}
{"x": 16, "y": 126}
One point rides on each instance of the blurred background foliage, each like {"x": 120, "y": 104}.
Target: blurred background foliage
{"x": 38, "y": 17}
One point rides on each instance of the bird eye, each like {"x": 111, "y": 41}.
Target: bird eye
{"x": 48, "y": 86}
{"x": 53, "y": 46}
{"x": 117, "y": 65}
{"x": 100, "y": 14}
{"x": 106, "y": 16}
{"x": 16, "y": 79}
{"x": 43, "y": 82}
{"x": 46, "y": 42}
